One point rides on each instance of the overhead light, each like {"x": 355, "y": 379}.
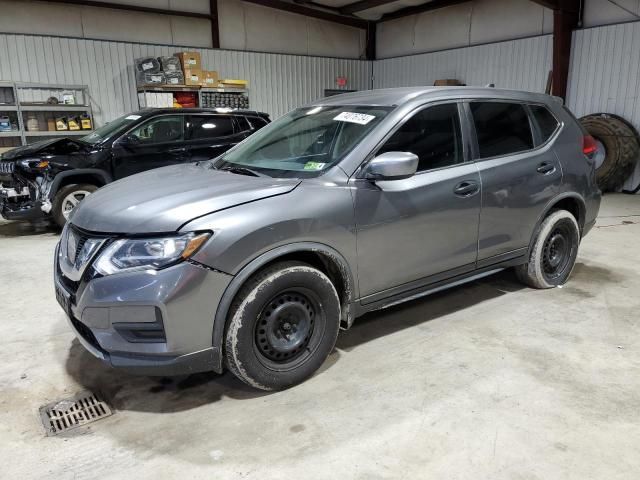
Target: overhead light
{"x": 208, "y": 125}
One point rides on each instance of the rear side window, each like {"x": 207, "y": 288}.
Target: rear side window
{"x": 547, "y": 123}
{"x": 257, "y": 122}
{"x": 243, "y": 123}
{"x": 433, "y": 134}
{"x": 209, "y": 126}
{"x": 501, "y": 128}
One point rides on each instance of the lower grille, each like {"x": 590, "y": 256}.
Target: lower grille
{"x": 86, "y": 333}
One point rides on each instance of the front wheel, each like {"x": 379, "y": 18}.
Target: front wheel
{"x": 67, "y": 199}
{"x": 282, "y": 327}
{"x": 554, "y": 252}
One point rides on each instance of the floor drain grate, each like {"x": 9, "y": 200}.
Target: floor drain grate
{"x": 61, "y": 416}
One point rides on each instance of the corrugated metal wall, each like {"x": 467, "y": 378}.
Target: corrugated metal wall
{"x": 520, "y": 64}
{"x": 277, "y": 83}
{"x": 605, "y": 75}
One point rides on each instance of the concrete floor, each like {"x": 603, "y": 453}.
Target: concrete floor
{"x": 488, "y": 380}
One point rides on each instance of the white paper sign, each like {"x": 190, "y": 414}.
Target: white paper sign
{"x": 147, "y": 66}
{"x": 359, "y": 118}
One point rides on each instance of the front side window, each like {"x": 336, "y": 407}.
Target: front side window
{"x": 167, "y": 128}
{"x": 501, "y": 128}
{"x": 433, "y": 134}
{"x": 305, "y": 142}
{"x": 209, "y": 126}
{"x": 547, "y": 123}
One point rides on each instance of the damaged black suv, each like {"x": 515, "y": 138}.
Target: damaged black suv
{"x": 49, "y": 178}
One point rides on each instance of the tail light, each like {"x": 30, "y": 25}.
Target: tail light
{"x": 589, "y": 145}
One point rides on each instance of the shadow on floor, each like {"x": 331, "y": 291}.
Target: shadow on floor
{"x": 162, "y": 394}
{"x": 422, "y": 310}
{"x": 22, "y": 229}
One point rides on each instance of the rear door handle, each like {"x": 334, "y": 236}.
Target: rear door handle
{"x": 466, "y": 189}
{"x": 546, "y": 168}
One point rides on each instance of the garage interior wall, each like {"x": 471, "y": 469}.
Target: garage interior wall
{"x": 242, "y": 26}
{"x": 277, "y": 83}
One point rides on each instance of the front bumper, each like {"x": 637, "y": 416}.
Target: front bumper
{"x": 150, "y": 322}
{"x": 15, "y": 205}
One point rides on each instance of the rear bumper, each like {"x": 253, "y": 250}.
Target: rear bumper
{"x": 151, "y": 323}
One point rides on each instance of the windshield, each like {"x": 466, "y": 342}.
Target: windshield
{"x": 305, "y": 142}
{"x": 106, "y": 131}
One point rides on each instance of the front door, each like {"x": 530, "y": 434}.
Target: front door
{"x": 209, "y": 135}
{"x": 422, "y": 229}
{"x": 156, "y": 143}
{"x": 520, "y": 174}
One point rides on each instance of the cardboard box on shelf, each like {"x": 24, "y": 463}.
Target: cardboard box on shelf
{"x": 210, "y": 78}
{"x": 447, "y": 82}
{"x": 234, "y": 83}
{"x": 189, "y": 60}
{"x": 193, "y": 76}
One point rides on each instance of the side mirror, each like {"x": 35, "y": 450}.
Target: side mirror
{"x": 128, "y": 141}
{"x": 392, "y": 166}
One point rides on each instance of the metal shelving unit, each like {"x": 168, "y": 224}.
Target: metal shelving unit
{"x": 190, "y": 88}
{"x": 32, "y": 97}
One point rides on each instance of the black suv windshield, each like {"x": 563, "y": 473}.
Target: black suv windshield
{"x": 106, "y": 131}
{"x": 304, "y": 142}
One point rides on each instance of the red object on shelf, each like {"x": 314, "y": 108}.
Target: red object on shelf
{"x": 186, "y": 99}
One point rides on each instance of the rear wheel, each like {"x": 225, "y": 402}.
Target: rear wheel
{"x": 554, "y": 252}
{"x": 283, "y": 325}
{"x": 67, "y": 199}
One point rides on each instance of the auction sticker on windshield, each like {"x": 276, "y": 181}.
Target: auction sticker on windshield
{"x": 314, "y": 166}
{"x": 359, "y": 118}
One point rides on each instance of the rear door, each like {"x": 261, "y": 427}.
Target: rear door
{"x": 520, "y": 174}
{"x": 158, "y": 142}
{"x": 209, "y": 135}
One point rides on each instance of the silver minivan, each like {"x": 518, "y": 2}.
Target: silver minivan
{"x": 254, "y": 260}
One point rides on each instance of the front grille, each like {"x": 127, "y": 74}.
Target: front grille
{"x": 81, "y": 239}
{"x": 6, "y": 168}
{"x": 86, "y": 333}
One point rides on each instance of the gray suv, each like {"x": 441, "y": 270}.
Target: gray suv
{"x": 254, "y": 260}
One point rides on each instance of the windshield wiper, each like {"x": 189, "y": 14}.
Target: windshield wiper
{"x": 243, "y": 171}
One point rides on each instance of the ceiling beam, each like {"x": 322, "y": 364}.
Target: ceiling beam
{"x": 134, "y": 8}
{"x": 363, "y": 5}
{"x": 425, "y": 7}
{"x": 312, "y": 12}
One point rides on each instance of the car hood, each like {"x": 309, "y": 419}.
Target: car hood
{"x": 36, "y": 148}
{"x": 164, "y": 199}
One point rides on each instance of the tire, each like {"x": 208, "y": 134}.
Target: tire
{"x": 59, "y": 211}
{"x": 621, "y": 147}
{"x": 559, "y": 233}
{"x": 299, "y": 308}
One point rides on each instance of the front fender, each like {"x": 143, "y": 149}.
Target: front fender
{"x": 61, "y": 176}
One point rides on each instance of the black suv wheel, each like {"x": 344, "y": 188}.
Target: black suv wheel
{"x": 282, "y": 326}
{"x": 67, "y": 199}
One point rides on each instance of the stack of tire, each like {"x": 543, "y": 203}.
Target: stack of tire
{"x": 618, "y": 149}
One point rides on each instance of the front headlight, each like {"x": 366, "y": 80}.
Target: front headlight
{"x": 132, "y": 254}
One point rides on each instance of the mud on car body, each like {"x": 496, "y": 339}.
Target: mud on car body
{"x": 49, "y": 178}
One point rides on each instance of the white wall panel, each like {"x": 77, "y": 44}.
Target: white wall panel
{"x": 519, "y": 64}
{"x": 472, "y": 23}
{"x": 277, "y": 83}
{"x": 605, "y": 74}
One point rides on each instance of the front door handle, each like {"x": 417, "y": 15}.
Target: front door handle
{"x": 177, "y": 150}
{"x": 546, "y": 168}
{"x": 466, "y": 189}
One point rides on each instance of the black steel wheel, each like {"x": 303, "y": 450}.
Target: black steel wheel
{"x": 553, "y": 252}
{"x": 282, "y": 326}
{"x": 284, "y": 331}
